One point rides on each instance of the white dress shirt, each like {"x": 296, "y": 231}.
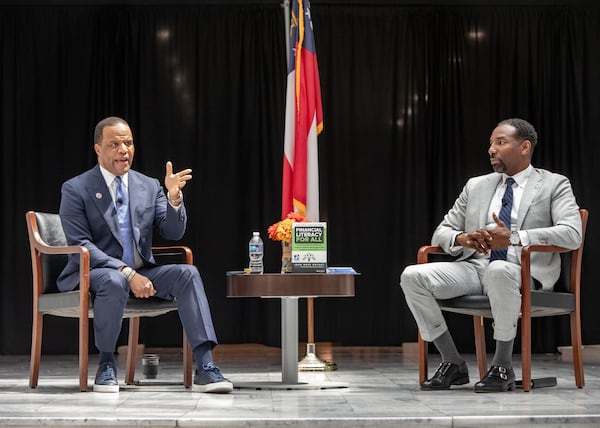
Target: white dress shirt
{"x": 514, "y": 253}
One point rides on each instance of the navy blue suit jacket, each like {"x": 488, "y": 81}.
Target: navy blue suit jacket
{"x": 88, "y": 216}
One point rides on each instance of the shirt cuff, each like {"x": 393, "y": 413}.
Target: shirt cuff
{"x": 455, "y": 246}
{"x": 179, "y": 200}
{"x": 524, "y": 237}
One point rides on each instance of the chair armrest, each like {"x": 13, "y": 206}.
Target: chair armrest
{"x": 185, "y": 253}
{"x": 39, "y": 244}
{"x": 526, "y": 263}
{"x": 84, "y": 260}
{"x": 540, "y": 248}
{"x": 426, "y": 250}
{"x": 69, "y": 249}
{"x": 40, "y": 247}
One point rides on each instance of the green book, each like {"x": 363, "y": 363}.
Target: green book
{"x": 309, "y": 247}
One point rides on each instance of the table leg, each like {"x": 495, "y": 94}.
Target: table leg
{"x": 289, "y": 354}
{"x": 289, "y": 340}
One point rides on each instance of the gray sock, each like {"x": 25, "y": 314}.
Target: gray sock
{"x": 503, "y": 354}
{"x": 445, "y": 345}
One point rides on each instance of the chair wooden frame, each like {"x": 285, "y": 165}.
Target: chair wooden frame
{"x": 534, "y": 303}
{"x": 136, "y": 308}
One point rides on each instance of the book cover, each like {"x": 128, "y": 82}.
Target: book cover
{"x": 309, "y": 247}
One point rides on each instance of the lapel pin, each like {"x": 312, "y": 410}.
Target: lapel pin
{"x": 98, "y": 195}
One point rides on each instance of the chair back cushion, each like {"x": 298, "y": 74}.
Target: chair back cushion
{"x": 51, "y": 232}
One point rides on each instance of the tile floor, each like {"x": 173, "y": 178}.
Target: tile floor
{"x": 381, "y": 390}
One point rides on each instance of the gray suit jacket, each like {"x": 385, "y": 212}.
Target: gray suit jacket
{"x": 88, "y": 216}
{"x": 548, "y": 212}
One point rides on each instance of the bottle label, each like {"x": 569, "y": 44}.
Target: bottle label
{"x": 255, "y": 248}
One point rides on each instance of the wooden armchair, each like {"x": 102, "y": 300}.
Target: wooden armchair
{"x": 565, "y": 299}
{"x": 49, "y": 252}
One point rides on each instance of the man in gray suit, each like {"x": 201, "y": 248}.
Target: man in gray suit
{"x": 113, "y": 211}
{"x": 493, "y": 216}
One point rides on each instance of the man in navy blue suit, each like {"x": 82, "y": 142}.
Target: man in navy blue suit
{"x": 113, "y": 211}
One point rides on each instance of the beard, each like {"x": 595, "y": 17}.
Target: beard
{"x": 499, "y": 167}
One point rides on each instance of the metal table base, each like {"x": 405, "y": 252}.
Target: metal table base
{"x": 289, "y": 288}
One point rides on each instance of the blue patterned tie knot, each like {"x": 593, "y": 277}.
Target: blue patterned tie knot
{"x": 505, "y": 211}
{"x": 124, "y": 220}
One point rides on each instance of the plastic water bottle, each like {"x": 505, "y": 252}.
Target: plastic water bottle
{"x": 255, "y": 252}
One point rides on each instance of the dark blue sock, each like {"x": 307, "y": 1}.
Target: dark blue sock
{"x": 203, "y": 354}
{"x": 107, "y": 357}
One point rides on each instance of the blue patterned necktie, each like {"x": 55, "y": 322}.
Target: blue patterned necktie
{"x": 507, "y": 203}
{"x": 122, "y": 199}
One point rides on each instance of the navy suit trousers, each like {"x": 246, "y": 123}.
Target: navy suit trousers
{"x": 110, "y": 290}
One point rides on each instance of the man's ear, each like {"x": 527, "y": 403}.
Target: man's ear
{"x": 526, "y": 147}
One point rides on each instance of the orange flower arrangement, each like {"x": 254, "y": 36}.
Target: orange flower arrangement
{"x": 282, "y": 230}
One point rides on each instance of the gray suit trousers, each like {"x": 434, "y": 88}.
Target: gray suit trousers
{"x": 500, "y": 281}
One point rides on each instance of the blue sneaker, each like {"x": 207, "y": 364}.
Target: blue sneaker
{"x": 106, "y": 378}
{"x": 210, "y": 379}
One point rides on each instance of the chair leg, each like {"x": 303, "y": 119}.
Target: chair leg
{"x": 577, "y": 348}
{"x": 187, "y": 362}
{"x": 526, "y": 352}
{"x": 84, "y": 324}
{"x": 36, "y": 349}
{"x": 480, "y": 349}
{"x": 132, "y": 344}
{"x": 422, "y": 345}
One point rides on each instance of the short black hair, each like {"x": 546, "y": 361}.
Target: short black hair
{"x": 525, "y": 130}
{"x": 108, "y": 121}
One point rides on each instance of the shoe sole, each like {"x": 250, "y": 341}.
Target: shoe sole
{"x": 461, "y": 381}
{"x": 509, "y": 387}
{"x": 214, "y": 388}
{"x": 106, "y": 388}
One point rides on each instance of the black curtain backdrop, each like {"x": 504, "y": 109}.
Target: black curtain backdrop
{"x": 410, "y": 96}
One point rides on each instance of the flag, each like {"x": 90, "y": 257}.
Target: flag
{"x": 303, "y": 120}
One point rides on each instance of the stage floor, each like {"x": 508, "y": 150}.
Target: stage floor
{"x": 382, "y": 390}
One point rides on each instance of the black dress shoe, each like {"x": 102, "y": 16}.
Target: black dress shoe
{"x": 447, "y": 374}
{"x": 497, "y": 379}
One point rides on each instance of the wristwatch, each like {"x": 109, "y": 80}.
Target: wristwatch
{"x": 515, "y": 239}
{"x": 128, "y": 272}
{"x": 177, "y": 201}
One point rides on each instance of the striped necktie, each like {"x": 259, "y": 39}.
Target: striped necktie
{"x": 122, "y": 199}
{"x": 507, "y": 203}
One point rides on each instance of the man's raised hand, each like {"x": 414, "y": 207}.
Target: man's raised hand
{"x": 174, "y": 182}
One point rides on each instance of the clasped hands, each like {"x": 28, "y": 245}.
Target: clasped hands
{"x": 484, "y": 240}
{"x": 174, "y": 182}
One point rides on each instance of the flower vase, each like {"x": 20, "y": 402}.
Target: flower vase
{"x": 286, "y": 257}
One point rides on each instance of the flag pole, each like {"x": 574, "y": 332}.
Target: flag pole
{"x": 310, "y": 362}
{"x": 286, "y": 19}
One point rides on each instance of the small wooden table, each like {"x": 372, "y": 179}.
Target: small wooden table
{"x": 289, "y": 287}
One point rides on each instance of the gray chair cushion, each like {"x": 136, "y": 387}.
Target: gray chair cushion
{"x": 543, "y": 303}
{"x": 67, "y": 305}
